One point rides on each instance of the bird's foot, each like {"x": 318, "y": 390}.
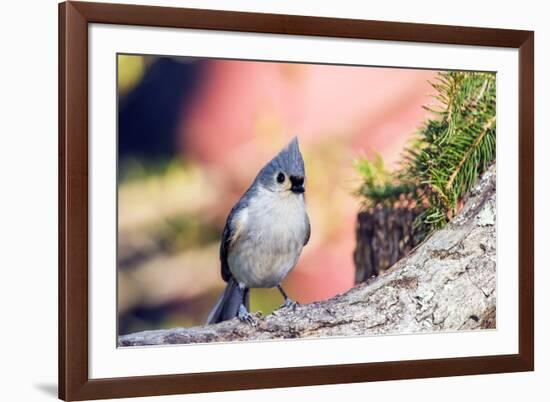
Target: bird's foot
{"x": 290, "y": 304}
{"x": 245, "y": 316}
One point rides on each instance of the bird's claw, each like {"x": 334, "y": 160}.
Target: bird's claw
{"x": 290, "y": 304}
{"x": 245, "y": 316}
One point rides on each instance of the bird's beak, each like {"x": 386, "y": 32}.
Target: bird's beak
{"x": 297, "y": 184}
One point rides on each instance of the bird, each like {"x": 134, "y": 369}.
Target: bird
{"x": 264, "y": 235}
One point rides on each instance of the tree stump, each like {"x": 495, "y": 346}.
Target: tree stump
{"x": 384, "y": 235}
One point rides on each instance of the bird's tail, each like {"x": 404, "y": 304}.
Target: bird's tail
{"x": 227, "y": 306}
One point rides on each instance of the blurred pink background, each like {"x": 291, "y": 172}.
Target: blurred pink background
{"x": 247, "y": 110}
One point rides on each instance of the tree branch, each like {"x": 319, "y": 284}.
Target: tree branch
{"x": 447, "y": 283}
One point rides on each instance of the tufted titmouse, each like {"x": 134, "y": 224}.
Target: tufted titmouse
{"x": 264, "y": 235}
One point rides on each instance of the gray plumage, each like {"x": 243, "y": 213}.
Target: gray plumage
{"x": 264, "y": 234}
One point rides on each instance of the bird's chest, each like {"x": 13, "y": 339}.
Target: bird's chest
{"x": 270, "y": 242}
{"x": 279, "y": 223}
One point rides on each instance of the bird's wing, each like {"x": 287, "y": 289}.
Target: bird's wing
{"x": 308, "y": 230}
{"x": 231, "y": 232}
{"x": 224, "y": 250}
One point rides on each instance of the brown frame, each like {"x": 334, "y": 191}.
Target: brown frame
{"x": 74, "y": 17}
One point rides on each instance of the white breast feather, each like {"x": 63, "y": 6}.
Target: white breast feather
{"x": 270, "y": 234}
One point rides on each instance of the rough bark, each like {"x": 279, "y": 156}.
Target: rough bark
{"x": 384, "y": 235}
{"x": 447, "y": 283}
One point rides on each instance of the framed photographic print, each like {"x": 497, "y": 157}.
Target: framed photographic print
{"x": 258, "y": 200}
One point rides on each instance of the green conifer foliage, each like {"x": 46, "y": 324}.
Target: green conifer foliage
{"x": 446, "y": 156}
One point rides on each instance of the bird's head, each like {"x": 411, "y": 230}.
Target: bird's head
{"x": 285, "y": 172}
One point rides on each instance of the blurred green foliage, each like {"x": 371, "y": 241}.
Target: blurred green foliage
{"x": 130, "y": 71}
{"x": 133, "y": 169}
{"x": 379, "y": 185}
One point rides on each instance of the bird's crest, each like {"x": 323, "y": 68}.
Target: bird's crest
{"x": 289, "y": 160}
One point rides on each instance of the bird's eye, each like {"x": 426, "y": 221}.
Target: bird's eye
{"x": 280, "y": 177}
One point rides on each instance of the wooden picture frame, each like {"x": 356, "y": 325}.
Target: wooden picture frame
{"x": 74, "y": 381}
